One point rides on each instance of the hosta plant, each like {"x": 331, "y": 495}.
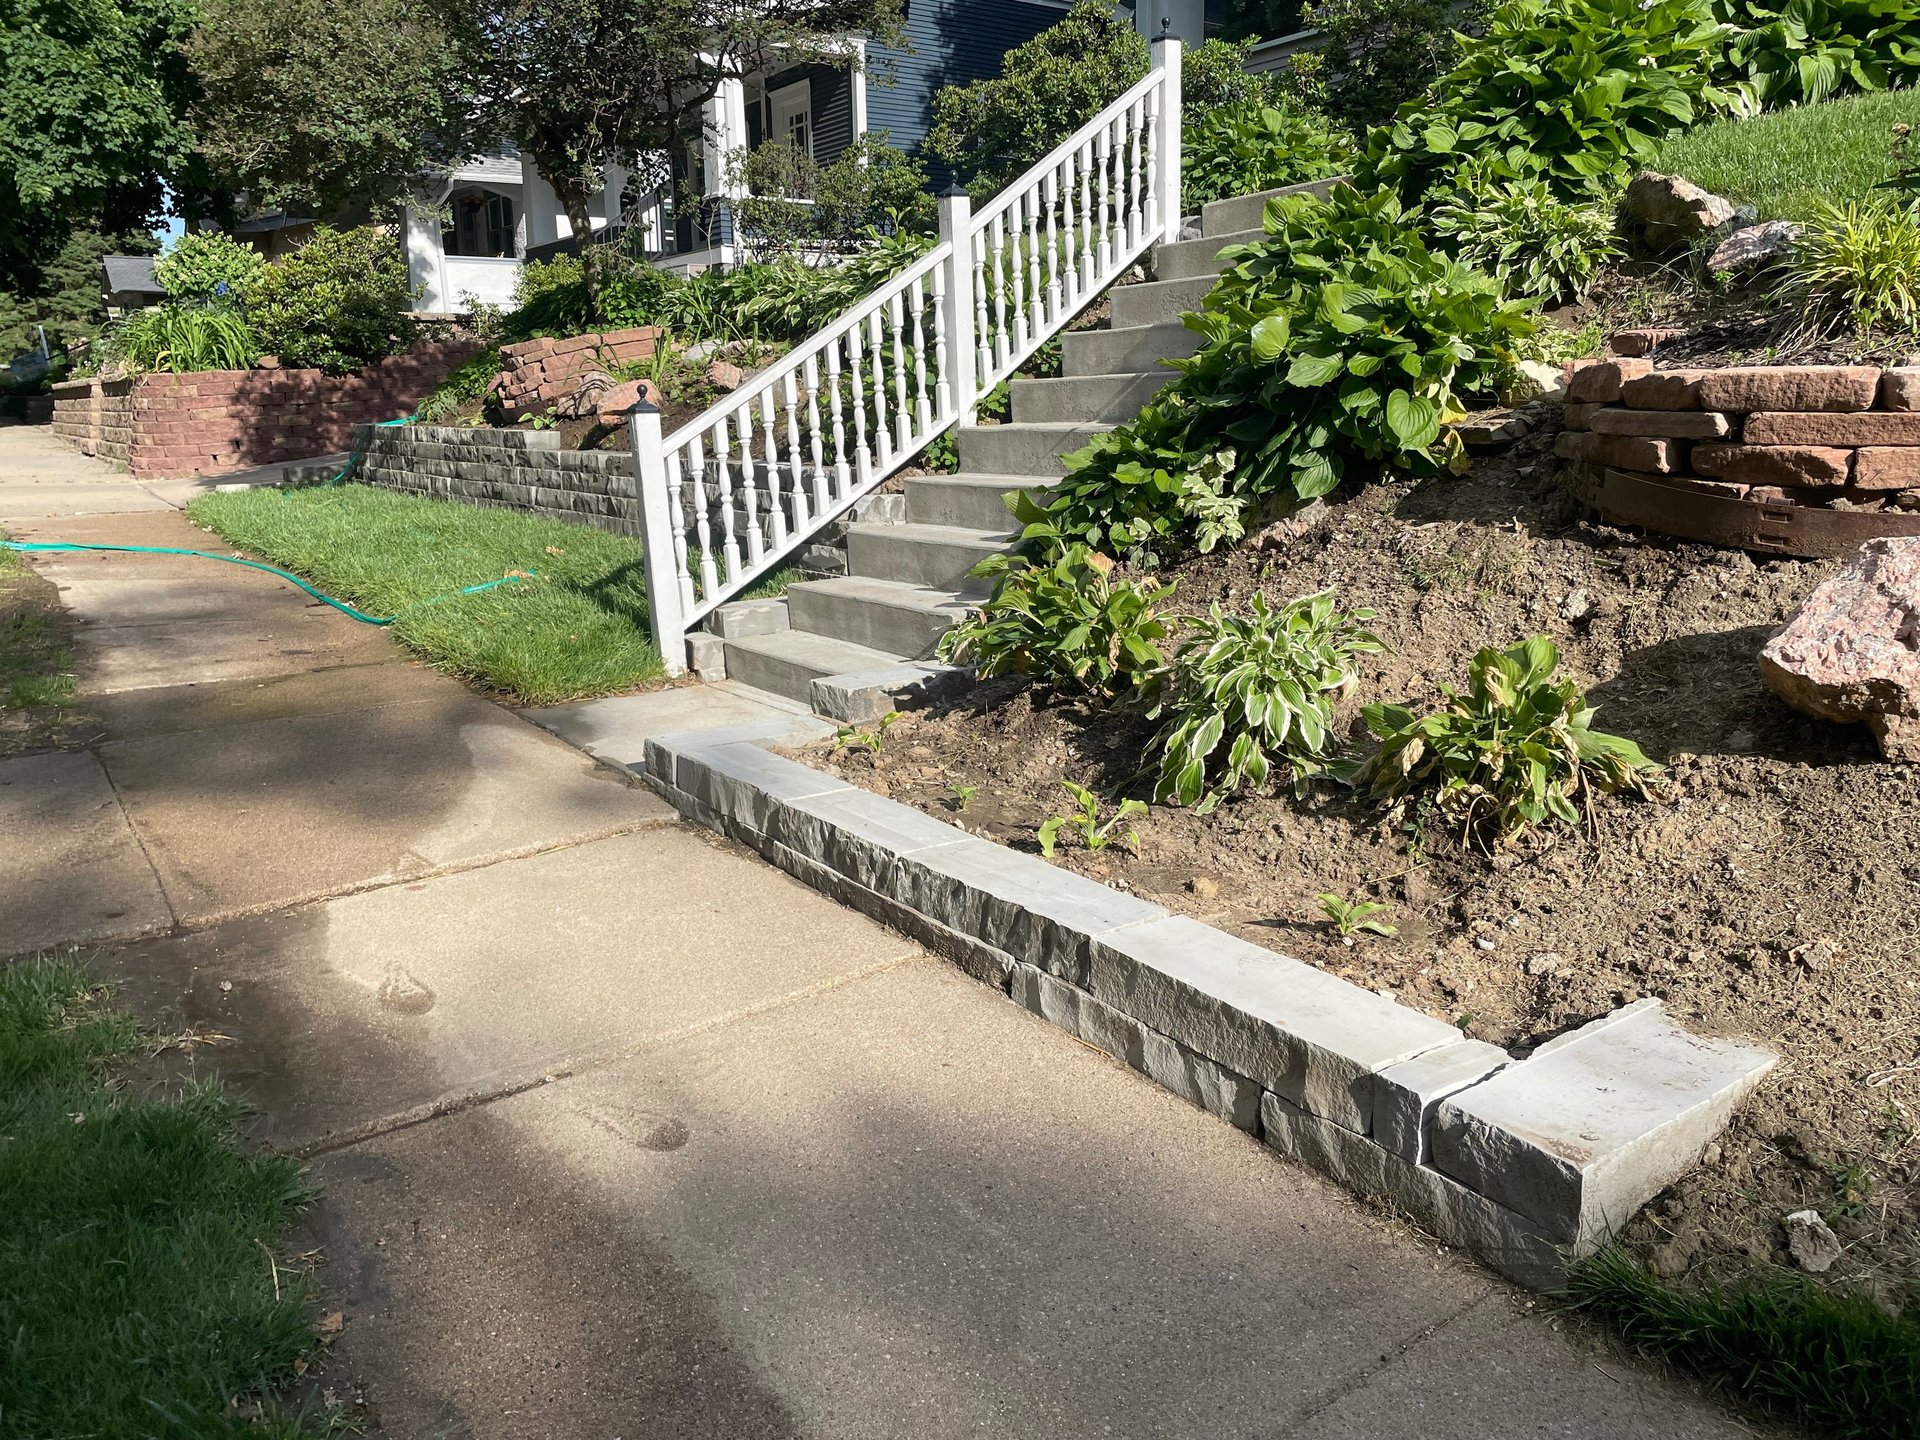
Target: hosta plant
{"x": 1516, "y": 750}
{"x": 1244, "y": 696}
{"x": 1085, "y": 822}
{"x": 1339, "y": 337}
{"x": 1238, "y": 149}
{"x": 1355, "y": 917}
{"x": 1527, "y": 238}
{"x": 1800, "y": 52}
{"x": 1064, "y": 620}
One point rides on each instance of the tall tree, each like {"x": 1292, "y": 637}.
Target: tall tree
{"x": 579, "y": 84}
{"x": 334, "y": 105}
{"x": 93, "y": 95}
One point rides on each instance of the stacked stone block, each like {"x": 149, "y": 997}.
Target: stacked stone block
{"x": 1833, "y": 436}
{"x": 209, "y": 422}
{"x": 539, "y": 373}
{"x": 523, "y": 470}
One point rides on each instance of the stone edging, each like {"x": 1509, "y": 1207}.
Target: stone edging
{"x": 1522, "y": 1162}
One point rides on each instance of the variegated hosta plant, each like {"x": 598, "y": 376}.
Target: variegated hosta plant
{"x": 1246, "y": 696}
{"x": 1516, "y": 750}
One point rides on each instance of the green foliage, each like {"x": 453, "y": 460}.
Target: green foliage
{"x": 142, "y": 1282}
{"x": 324, "y": 105}
{"x": 962, "y": 797}
{"x": 181, "y": 339}
{"x": 1788, "y": 163}
{"x": 205, "y": 266}
{"x": 1905, "y": 179}
{"x": 1239, "y": 149}
{"x": 1519, "y": 232}
{"x": 64, "y": 293}
{"x": 1856, "y": 266}
{"x": 1339, "y": 338}
{"x": 337, "y": 303}
{"x": 1085, "y": 822}
{"x": 797, "y": 205}
{"x": 1376, "y": 54}
{"x": 1799, "y": 52}
{"x": 1833, "y": 1361}
{"x": 1516, "y": 750}
{"x": 1579, "y": 91}
{"x": 869, "y": 740}
{"x": 1354, "y": 917}
{"x": 1064, "y": 621}
{"x": 1257, "y": 692}
{"x": 467, "y": 384}
{"x": 991, "y": 130}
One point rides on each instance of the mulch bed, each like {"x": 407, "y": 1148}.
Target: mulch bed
{"x": 1770, "y": 893}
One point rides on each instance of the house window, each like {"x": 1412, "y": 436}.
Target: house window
{"x": 792, "y": 107}
{"x": 483, "y": 224}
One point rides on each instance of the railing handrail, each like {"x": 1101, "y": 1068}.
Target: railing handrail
{"x": 815, "y": 345}
{"x": 1016, "y": 187}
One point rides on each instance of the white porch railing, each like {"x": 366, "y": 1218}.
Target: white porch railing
{"x": 734, "y": 491}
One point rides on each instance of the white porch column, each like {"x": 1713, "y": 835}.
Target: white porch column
{"x": 726, "y": 127}
{"x": 542, "y": 206}
{"x": 426, "y": 248}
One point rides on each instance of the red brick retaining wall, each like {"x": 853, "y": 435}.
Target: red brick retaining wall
{"x": 208, "y": 422}
{"x": 540, "y": 372}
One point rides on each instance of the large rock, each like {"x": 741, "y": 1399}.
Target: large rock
{"x": 1671, "y": 210}
{"x": 1755, "y": 246}
{"x": 1851, "y": 652}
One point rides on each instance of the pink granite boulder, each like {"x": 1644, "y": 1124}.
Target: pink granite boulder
{"x": 1851, "y": 651}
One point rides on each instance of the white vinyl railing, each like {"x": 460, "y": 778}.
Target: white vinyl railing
{"x": 730, "y": 494}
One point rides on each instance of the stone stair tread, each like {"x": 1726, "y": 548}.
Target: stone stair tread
{"x": 918, "y": 531}
{"x": 824, "y": 654}
{"x": 901, "y": 593}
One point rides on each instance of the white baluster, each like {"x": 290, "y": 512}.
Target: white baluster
{"x": 902, "y": 417}
{"x": 796, "y": 460}
{"x": 771, "y": 445}
{"x": 1087, "y": 224}
{"x": 697, "y": 464}
{"x": 1116, "y": 214}
{"x": 997, "y": 264}
{"x": 856, "y": 372}
{"x": 813, "y": 436}
{"x": 835, "y": 409}
{"x": 1103, "y": 157}
{"x": 1017, "y": 279}
{"x": 916, "y": 307}
{"x": 1055, "y": 315}
{"x": 1036, "y": 306}
{"x": 877, "y": 357}
{"x": 774, "y": 523}
{"x": 982, "y": 326}
{"x": 1136, "y": 179}
{"x": 722, "y": 437}
{"x": 1150, "y": 141}
{"x": 945, "y": 382}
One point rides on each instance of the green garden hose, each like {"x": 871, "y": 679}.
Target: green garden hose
{"x": 45, "y": 546}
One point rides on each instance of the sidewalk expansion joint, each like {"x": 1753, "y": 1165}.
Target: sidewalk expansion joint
{"x": 580, "y": 1065}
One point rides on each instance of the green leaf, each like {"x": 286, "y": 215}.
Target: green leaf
{"x": 1270, "y": 338}
{"x": 1413, "y": 420}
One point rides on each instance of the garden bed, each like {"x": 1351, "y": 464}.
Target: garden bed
{"x": 1769, "y": 892}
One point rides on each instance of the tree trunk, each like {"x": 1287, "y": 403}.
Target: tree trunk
{"x": 574, "y": 199}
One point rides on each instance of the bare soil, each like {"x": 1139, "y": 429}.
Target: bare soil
{"x": 1772, "y": 891}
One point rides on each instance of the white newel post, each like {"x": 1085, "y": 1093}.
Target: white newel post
{"x": 956, "y": 231}
{"x": 1166, "y": 61}
{"x": 657, "y": 520}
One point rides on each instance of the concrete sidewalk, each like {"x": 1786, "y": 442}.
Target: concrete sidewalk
{"x": 621, "y": 1132}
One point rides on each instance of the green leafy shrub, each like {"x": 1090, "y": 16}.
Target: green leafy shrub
{"x": 1798, "y": 52}
{"x": 1255, "y": 692}
{"x": 337, "y": 303}
{"x": 1338, "y": 338}
{"x": 1239, "y": 149}
{"x": 1375, "y": 54}
{"x": 1856, "y": 265}
{"x": 1065, "y": 621}
{"x": 464, "y": 386}
{"x": 1529, "y": 240}
{"x": 1516, "y": 750}
{"x": 205, "y": 266}
{"x": 1905, "y": 179}
{"x": 181, "y": 339}
{"x": 795, "y": 204}
{"x": 1578, "y": 91}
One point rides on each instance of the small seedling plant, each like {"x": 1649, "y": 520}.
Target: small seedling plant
{"x": 960, "y": 797}
{"x": 852, "y": 736}
{"x": 1515, "y": 751}
{"x": 1085, "y": 822}
{"x": 1247, "y": 695}
{"x": 1355, "y": 917}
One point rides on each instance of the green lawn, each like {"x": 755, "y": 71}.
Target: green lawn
{"x": 578, "y": 628}
{"x": 144, "y": 1289}
{"x": 1785, "y": 163}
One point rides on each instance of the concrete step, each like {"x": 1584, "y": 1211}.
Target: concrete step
{"x": 1134, "y": 350}
{"x": 972, "y": 502}
{"x": 1245, "y": 212}
{"x": 1186, "y": 259}
{"x": 936, "y": 555}
{"x": 789, "y": 661}
{"x": 1159, "y": 302}
{"x": 1084, "y": 397}
{"x": 1023, "y": 449}
{"x": 883, "y": 615}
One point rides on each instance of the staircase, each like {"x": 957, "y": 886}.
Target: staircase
{"x": 907, "y": 581}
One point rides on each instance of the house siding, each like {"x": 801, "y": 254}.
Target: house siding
{"x": 948, "y": 42}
